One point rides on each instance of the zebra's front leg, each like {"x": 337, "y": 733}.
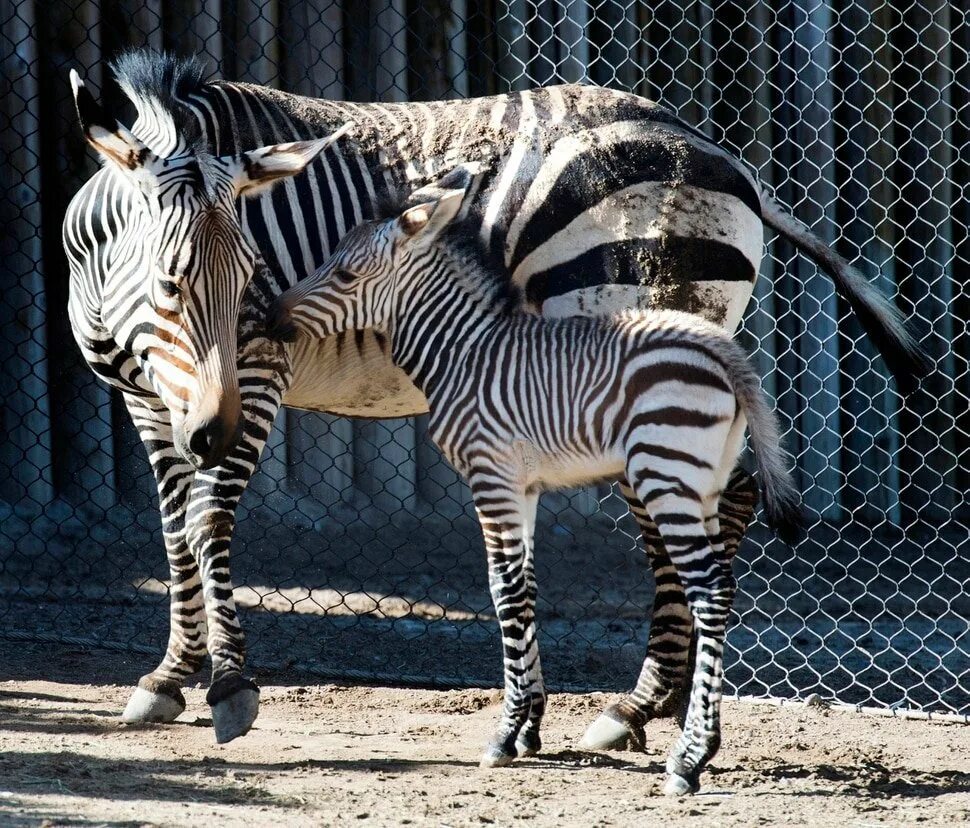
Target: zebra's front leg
{"x": 210, "y": 522}
{"x": 665, "y": 677}
{"x": 529, "y": 742}
{"x": 158, "y": 695}
{"x": 507, "y": 517}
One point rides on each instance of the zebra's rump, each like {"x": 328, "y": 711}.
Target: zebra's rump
{"x": 581, "y": 187}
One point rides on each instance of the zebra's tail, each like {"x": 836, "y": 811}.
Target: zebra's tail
{"x": 879, "y": 316}
{"x": 781, "y": 498}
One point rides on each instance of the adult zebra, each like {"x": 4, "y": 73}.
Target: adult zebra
{"x": 592, "y": 199}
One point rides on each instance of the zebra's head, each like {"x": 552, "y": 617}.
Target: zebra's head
{"x": 357, "y": 286}
{"x": 181, "y": 266}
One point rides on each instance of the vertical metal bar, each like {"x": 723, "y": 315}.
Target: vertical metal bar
{"x": 26, "y": 450}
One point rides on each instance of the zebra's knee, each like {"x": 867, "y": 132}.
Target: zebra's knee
{"x": 209, "y": 528}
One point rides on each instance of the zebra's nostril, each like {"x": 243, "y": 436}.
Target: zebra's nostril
{"x": 199, "y": 442}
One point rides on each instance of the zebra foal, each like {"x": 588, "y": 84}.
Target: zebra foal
{"x": 521, "y": 404}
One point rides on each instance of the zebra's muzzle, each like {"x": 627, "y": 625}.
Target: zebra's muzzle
{"x": 207, "y": 442}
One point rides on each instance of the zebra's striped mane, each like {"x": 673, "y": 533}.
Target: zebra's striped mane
{"x": 159, "y": 84}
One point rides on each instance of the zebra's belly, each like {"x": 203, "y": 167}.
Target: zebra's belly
{"x": 564, "y": 470}
{"x": 351, "y": 376}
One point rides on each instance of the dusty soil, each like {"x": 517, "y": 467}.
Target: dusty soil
{"x": 334, "y": 755}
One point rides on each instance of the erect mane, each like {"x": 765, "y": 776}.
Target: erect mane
{"x": 159, "y": 84}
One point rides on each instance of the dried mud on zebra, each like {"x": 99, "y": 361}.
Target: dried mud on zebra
{"x": 222, "y": 195}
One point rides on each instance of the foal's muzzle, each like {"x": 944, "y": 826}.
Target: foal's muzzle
{"x": 279, "y": 323}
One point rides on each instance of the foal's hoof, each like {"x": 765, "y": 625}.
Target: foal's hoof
{"x": 608, "y": 733}
{"x": 677, "y": 785}
{"x": 154, "y": 700}
{"x": 235, "y": 703}
{"x": 495, "y": 757}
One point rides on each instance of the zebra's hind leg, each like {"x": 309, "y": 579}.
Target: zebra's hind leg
{"x": 505, "y": 518}
{"x": 710, "y": 587}
{"x": 664, "y": 682}
{"x": 691, "y": 537}
{"x": 736, "y": 510}
{"x": 658, "y": 688}
{"x": 158, "y": 695}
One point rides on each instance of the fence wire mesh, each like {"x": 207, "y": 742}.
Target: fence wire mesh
{"x": 356, "y": 553}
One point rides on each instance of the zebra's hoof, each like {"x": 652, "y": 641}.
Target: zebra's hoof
{"x": 150, "y": 706}
{"x": 235, "y": 703}
{"x": 494, "y": 757}
{"x": 608, "y": 733}
{"x": 522, "y": 749}
{"x": 677, "y": 785}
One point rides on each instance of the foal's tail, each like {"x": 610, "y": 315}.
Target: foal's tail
{"x": 779, "y": 493}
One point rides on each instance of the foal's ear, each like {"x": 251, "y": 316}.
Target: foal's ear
{"x": 256, "y": 171}
{"x": 113, "y": 142}
{"x": 428, "y": 219}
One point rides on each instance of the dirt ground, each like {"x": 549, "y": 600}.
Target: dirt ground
{"x": 333, "y": 755}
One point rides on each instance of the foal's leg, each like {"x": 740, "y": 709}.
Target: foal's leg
{"x": 710, "y": 587}
{"x": 658, "y": 689}
{"x": 529, "y": 743}
{"x": 661, "y": 686}
{"x": 685, "y": 513}
{"x": 504, "y": 513}
{"x": 736, "y": 509}
{"x": 158, "y": 696}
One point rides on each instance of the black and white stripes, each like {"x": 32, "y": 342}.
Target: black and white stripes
{"x": 588, "y": 201}
{"x": 520, "y": 405}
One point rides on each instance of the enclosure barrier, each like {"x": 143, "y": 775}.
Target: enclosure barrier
{"x": 357, "y": 555}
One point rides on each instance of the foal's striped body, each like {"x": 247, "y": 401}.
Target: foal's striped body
{"x": 520, "y": 404}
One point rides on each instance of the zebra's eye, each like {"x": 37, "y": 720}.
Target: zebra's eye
{"x": 343, "y": 277}
{"x": 170, "y": 289}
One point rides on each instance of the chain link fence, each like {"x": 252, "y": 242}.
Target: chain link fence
{"x": 357, "y": 555}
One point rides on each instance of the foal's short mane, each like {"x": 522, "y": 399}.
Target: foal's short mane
{"x": 462, "y": 245}
{"x": 480, "y": 275}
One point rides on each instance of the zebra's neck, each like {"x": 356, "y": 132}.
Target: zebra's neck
{"x": 440, "y": 322}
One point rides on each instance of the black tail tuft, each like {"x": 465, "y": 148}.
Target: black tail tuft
{"x": 786, "y": 518}
{"x": 905, "y": 359}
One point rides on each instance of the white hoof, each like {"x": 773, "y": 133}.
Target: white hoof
{"x": 146, "y": 706}
{"x": 234, "y": 715}
{"x": 676, "y": 785}
{"x": 493, "y": 758}
{"x": 606, "y": 733}
{"x": 522, "y": 749}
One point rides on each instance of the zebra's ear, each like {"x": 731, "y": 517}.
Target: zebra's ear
{"x": 428, "y": 219}
{"x": 112, "y": 141}
{"x": 257, "y": 170}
